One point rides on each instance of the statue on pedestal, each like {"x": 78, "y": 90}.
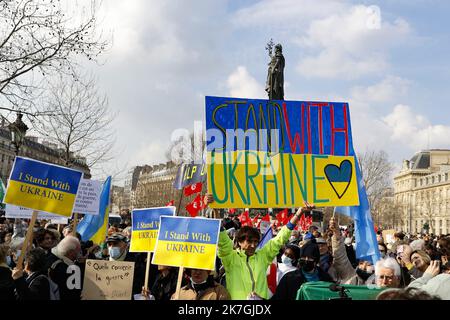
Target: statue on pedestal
{"x": 275, "y": 74}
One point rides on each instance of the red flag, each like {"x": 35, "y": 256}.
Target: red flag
{"x": 170, "y": 203}
{"x": 283, "y": 217}
{"x": 193, "y": 188}
{"x": 265, "y": 218}
{"x": 272, "y": 277}
{"x": 231, "y": 211}
{"x": 255, "y": 219}
{"x": 305, "y": 222}
{"x": 245, "y": 219}
{"x": 195, "y": 206}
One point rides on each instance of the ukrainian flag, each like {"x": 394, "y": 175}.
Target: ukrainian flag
{"x": 94, "y": 227}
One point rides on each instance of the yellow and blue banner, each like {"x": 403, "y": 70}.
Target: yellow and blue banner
{"x": 42, "y": 186}
{"x": 278, "y": 154}
{"x": 187, "y": 242}
{"x": 94, "y": 227}
{"x": 145, "y": 226}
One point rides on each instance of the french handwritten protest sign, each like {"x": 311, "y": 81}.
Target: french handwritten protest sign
{"x": 42, "y": 186}
{"x": 88, "y": 197}
{"x": 108, "y": 280}
{"x": 187, "y": 242}
{"x": 15, "y": 212}
{"x": 272, "y": 154}
{"x": 145, "y": 225}
{"x": 189, "y": 173}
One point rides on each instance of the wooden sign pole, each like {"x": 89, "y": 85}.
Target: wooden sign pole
{"x": 147, "y": 271}
{"x": 180, "y": 279}
{"x": 75, "y": 223}
{"x": 28, "y": 239}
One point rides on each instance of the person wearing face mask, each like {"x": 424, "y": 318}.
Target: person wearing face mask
{"x": 246, "y": 266}
{"x": 289, "y": 261}
{"x": 118, "y": 250}
{"x": 345, "y": 271}
{"x": 308, "y": 270}
{"x": 202, "y": 287}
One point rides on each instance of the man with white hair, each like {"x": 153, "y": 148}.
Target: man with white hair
{"x": 63, "y": 269}
{"x": 387, "y": 273}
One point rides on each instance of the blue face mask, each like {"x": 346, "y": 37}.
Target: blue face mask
{"x": 99, "y": 255}
{"x": 114, "y": 252}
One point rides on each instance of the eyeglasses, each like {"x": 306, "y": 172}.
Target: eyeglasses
{"x": 383, "y": 277}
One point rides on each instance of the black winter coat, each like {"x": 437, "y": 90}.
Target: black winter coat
{"x": 291, "y": 283}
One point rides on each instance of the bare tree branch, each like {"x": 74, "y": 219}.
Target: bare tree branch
{"x": 80, "y": 121}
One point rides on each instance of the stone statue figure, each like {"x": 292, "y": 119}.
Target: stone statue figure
{"x": 275, "y": 74}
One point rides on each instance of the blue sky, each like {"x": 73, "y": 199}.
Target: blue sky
{"x": 393, "y": 68}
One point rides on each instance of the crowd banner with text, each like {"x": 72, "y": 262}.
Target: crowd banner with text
{"x": 189, "y": 173}
{"x": 187, "y": 242}
{"x": 145, "y": 225}
{"x": 42, "y": 186}
{"x": 108, "y": 280}
{"x": 15, "y": 212}
{"x": 278, "y": 154}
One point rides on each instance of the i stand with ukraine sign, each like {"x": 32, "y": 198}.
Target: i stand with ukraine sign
{"x": 145, "y": 225}
{"x": 187, "y": 242}
{"x": 42, "y": 186}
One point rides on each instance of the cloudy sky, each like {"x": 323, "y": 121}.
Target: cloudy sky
{"x": 389, "y": 59}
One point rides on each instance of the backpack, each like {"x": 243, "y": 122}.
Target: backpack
{"x": 54, "y": 289}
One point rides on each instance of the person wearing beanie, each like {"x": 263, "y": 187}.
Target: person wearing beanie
{"x": 308, "y": 270}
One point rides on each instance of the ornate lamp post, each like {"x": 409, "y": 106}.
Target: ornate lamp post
{"x": 18, "y": 130}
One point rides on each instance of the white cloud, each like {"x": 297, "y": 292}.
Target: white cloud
{"x": 390, "y": 88}
{"x": 242, "y": 85}
{"x": 150, "y": 153}
{"x": 347, "y": 45}
{"x": 415, "y": 130}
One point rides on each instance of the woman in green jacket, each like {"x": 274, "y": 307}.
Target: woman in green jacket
{"x": 246, "y": 267}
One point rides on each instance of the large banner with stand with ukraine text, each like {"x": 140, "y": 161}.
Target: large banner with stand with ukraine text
{"x": 145, "y": 225}
{"x": 187, "y": 242}
{"x": 278, "y": 154}
{"x": 42, "y": 186}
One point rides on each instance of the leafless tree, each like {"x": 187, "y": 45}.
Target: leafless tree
{"x": 81, "y": 123}
{"x": 41, "y": 38}
{"x": 376, "y": 172}
{"x": 430, "y": 203}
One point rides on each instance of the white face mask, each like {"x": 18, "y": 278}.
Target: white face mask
{"x": 286, "y": 260}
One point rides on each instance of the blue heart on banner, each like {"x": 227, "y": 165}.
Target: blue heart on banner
{"x": 339, "y": 177}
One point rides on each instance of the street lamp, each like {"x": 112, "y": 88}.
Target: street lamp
{"x": 18, "y": 130}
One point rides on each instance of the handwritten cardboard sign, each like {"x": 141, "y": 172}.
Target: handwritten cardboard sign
{"x": 108, "y": 280}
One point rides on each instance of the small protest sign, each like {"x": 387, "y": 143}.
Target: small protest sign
{"x": 187, "y": 242}
{"x": 189, "y": 174}
{"x": 42, "y": 186}
{"x": 108, "y": 280}
{"x": 88, "y": 197}
{"x": 145, "y": 225}
{"x": 388, "y": 235}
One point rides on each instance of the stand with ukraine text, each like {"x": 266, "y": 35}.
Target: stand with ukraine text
{"x": 41, "y": 186}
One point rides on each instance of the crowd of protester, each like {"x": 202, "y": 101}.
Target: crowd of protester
{"x": 411, "y": 266}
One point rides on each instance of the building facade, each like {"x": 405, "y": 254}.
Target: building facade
{"x": 155, "y": 188}
{"x": 422, "y": 192}
{"x": 31, "y": 148}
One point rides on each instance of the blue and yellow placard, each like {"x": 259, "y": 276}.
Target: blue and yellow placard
{"x": 43, "y": 186}
{"x": 278, "y": 154}
{"x": 145, "y": 225}
{"x": 187, "y": 242}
